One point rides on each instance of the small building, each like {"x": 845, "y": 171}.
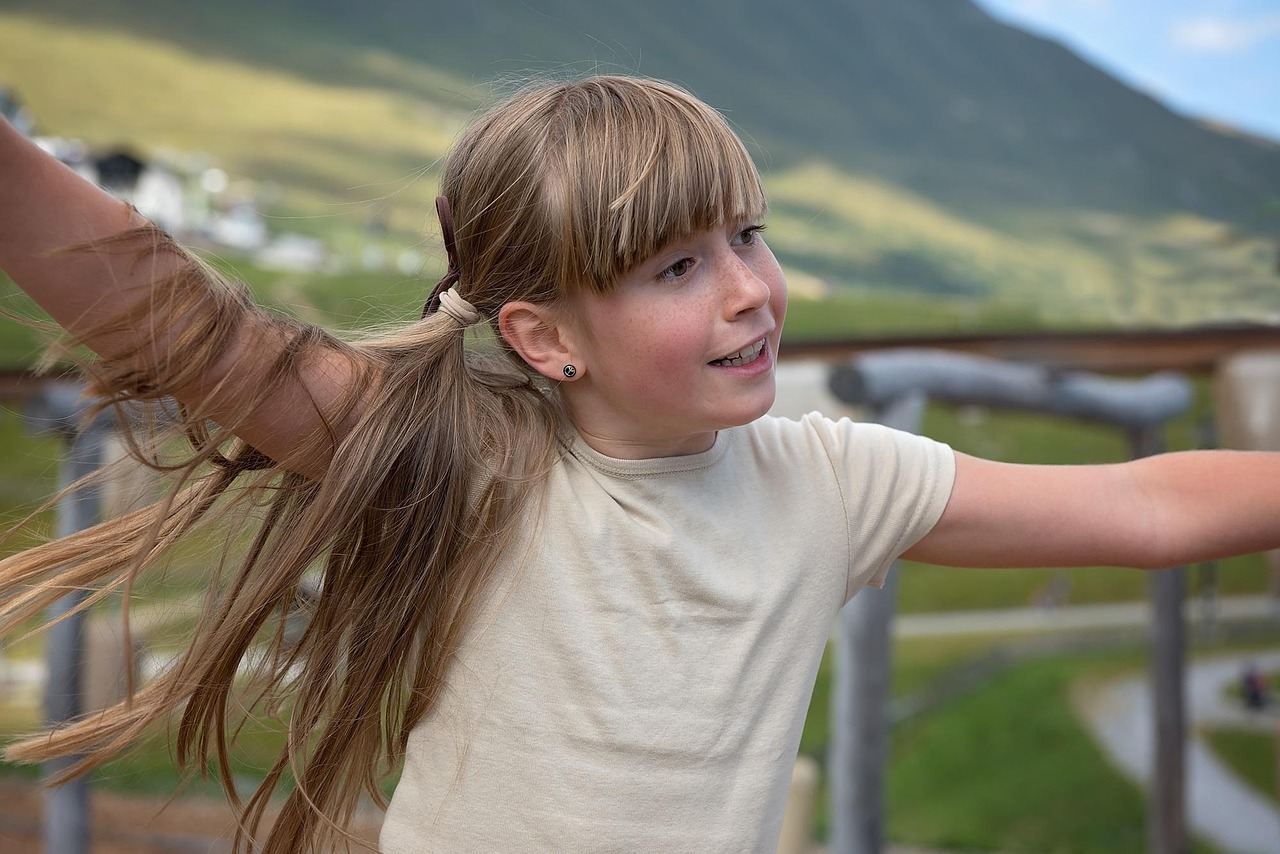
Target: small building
{"x": 240, "y": 227}
{"x": 15, "y": 113}
{"x": 149, "y": 185}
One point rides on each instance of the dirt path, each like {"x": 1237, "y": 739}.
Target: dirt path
{"x": 131, "y": 824}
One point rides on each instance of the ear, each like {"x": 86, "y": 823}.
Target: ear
{"x": 539, "y": 335}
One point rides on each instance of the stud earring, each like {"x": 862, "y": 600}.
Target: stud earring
{"x": 570, "y": 372}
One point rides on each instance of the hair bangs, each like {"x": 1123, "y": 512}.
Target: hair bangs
{"x": 654, "y": 165}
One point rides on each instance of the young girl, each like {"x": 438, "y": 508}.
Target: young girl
{"x": 574, "y": 581}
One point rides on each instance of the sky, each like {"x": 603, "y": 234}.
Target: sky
{"x": 1212, "y": 59}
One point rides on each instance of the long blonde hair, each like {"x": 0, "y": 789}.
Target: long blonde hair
{"x": 558, "y": 189}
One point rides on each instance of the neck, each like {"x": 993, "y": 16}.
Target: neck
{"x": 630, "y": 448}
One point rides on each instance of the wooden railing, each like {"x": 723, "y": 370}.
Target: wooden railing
{"x": 1193, "y": 349}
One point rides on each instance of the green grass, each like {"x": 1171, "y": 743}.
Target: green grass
{"x": 1251, "y": 755}
{"x": 876, "y": 313}
{"x": 348, "y": 302}
{"x": 997, "y": 768}
{"x": 925, "y": 588}
{"x": 916, "y": 662}
{"x": 1009, "y": 768}
{"x": 150, "y": 767}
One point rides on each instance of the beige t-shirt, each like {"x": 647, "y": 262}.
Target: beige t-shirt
{"x": 639, "y": 676}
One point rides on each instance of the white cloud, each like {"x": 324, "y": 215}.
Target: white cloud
{"x": 1222, "y": 35}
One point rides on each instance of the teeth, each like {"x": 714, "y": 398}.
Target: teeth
{"x": 744, "y": 356}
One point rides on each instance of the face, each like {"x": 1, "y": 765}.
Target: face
{"x": 683, "y": 346}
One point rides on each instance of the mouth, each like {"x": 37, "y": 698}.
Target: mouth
{"x": 745, "y": 356}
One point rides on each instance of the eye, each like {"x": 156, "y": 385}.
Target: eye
{"x": 749, "y": 236}
{"x": 678, "y": 270}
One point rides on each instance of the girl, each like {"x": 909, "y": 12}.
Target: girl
{"x": 574, "y": 582}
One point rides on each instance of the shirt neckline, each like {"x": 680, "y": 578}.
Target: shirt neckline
{"x": 616, "y": 467}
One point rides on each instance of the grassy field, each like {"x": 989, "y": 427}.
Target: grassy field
{"x": 1253, "y": 756}
{"x": 150, "y": 768}
{"x": 1008, "y": 767}
{"x": 994, "y": 770}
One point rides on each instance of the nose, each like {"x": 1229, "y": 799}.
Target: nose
{"x": 747, "y": 293}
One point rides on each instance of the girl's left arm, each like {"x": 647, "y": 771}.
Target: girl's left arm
{"x": 1149, "y": 513}
{"x": 118, "y": 299}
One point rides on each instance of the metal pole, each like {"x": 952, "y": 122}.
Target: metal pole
{"x": 57, "y": 410}
{"x": 1166, "y": 813}
{"x": 860, "y": 702}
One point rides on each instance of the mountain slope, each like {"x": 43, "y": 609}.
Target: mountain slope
{"x": 917, "y": 144}
{"x": 931, "y": 94}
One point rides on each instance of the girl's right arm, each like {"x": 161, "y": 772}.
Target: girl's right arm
{"x": 46, "y": 209}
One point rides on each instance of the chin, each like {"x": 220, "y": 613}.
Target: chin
{"x": 746, "y": 416}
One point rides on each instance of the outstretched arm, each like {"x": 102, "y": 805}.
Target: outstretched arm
{"x": 46, "y": 209}
{"x": 1151, "y": 513}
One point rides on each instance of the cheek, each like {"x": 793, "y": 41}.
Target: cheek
{"x": 660, "y": 356}
{"x": 674, "y": 346}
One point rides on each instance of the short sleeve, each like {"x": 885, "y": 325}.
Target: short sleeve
{"x": 893, "y": 486}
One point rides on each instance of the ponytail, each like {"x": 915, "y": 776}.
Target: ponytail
{"x": 421, "y": 495}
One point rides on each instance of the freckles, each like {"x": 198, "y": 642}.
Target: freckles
{"x": 670, "y": 363}
{"x": 656, "y": 344}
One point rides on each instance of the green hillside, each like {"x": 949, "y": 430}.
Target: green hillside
{"x": 911, "y": 146}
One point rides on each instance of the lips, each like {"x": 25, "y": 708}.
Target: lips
{"x": 745, "y": 356}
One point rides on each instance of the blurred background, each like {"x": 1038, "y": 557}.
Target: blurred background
{"x": 1003, "y": 170}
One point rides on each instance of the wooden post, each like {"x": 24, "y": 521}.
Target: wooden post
{"x": 859, "y": 752}
{"x": 58, "y": 410}
{"x": 1166, "y": 811}
{"x": 1166, "y": 801}
{"x": 1247, "y": 403}
{"x": 887, "y": 381}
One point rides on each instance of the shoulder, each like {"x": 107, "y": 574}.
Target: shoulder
{"x": 851, "y": 451}
{"x": 816, "y": 431}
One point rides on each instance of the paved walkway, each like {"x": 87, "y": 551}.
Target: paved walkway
{"x": 1070, "y": 617}
{"x": 1220, "y": 807}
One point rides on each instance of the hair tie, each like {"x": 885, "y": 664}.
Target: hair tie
{"x": 454, "y": 273}
{"x": 452, "y": 304}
